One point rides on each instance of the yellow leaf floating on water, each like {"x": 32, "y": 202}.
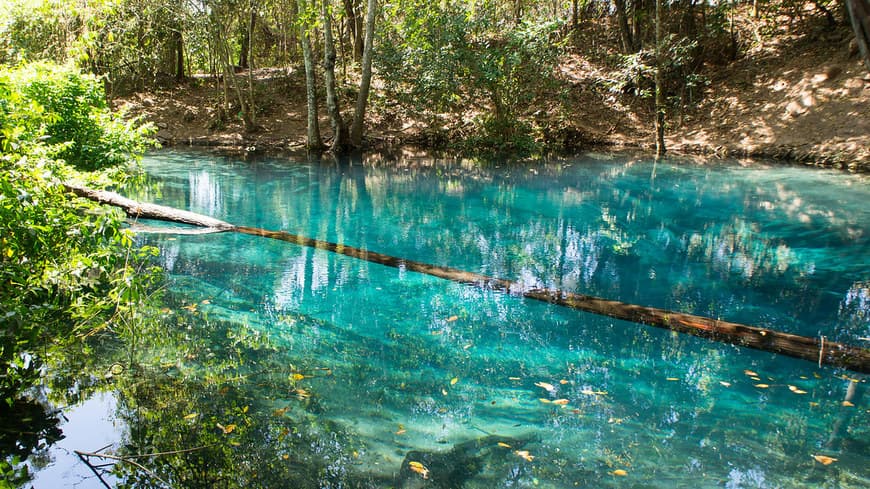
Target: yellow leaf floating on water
{"x": 503, "y": 444}
{"x": 824, "y": 459}
{"x": 750, "y": 373}
{"x": 796, "y": 390}
{"x": 620, "y": 473}
{"x": 762, "y": 386}
{"x": 419, "y": 468}
{"x": 561, "y": 402}
{"x": 454, "y": 380}
{"x": 524, "y": 454}
{"x": 191, "y": 416}
{"x": 546, "y": 386}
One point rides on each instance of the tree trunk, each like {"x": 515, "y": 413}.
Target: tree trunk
{"x": 355, "y": 27}
{"x": 356, "y": 130}
{"x": 659, "y": 103}
{"x": 575, "y": 22}
{"x": 624, "y": 31}
{"x": 313, "y": 136}
{"x": 859, "y": 14}
{"x": 638, "y": 15}
{"x": 252, "y": 18}
{"x": 816, "y": 350}
{"x": 333, "y": 108}
{"x": 178, "y": 44}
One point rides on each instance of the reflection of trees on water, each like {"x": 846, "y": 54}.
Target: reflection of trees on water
{"x": 624, "y": 230}
{"x": 854, "y": 312}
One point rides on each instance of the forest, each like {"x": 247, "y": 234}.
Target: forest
{"x": 87, "y": 87}
{"x": 486, "y": 76}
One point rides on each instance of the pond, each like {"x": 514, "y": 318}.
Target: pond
{"x": 281, "y": 365}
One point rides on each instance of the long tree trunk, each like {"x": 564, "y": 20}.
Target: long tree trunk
{"x": 178, "y": 45}
{"x": 816, "y": 350}
{"x": 660, "y": 106}
{"x": 250, "y": 47}
{"x": 624, "y": 31}
{"x": 355, "y": 27}
{"x": 313, "y": 135}
{"x": 359, "y": 115}
{"x": 339, "y": 131}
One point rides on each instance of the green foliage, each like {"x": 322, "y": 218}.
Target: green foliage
{"x": 69, "y": 109}
{"x": 66, "y": 265}
{"x": 450, "y": 58}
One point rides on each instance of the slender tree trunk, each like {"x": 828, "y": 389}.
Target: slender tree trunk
{"x": 230, "y": 75}
{"x": 637, "y": 14}
{"x": 660, "y": 106}
{"x": 339, "y": 131}
{"x": 355, "y": 28}
{"x": 624, "y": 31}
{"x": 313, "y": 136}
{"x": 356, "y": 130}
{"x": 575, "y": 22}
{"x": 179, "y": 54}
{"x": 251, "y": 106}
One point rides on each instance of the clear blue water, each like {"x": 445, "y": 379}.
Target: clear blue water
{"x": 417, "y": 365}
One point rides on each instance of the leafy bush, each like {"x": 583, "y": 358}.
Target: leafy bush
{"x": 65, "y": 263}
{"x": 70, "y": 110}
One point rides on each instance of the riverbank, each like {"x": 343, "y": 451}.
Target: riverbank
{"x": 803, "y": 98}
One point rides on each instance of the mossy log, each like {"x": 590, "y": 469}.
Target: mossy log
{"x": 817, "y": 350}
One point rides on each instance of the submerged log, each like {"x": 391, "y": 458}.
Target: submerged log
{"x": 817, "y": 350}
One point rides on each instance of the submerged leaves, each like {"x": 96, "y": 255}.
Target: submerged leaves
{"x": 824, "y": 459}
{"x": 419, "y": 468}
{"x": 524, "y": 454}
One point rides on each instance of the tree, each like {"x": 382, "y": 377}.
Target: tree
{"x": 339, "y": 130}
{"x": 659, "y": 85}
{"x": 313, "y": 139}
{"x": 356, "y": 130}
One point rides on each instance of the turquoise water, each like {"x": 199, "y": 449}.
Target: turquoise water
{"x": 407, "y": 367}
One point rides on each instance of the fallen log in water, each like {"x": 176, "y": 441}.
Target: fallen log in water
{"x": 136, "y": 209}
{"x": 813, "y": 349}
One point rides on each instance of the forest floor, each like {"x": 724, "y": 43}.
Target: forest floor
{"x": 797, "y": 97}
